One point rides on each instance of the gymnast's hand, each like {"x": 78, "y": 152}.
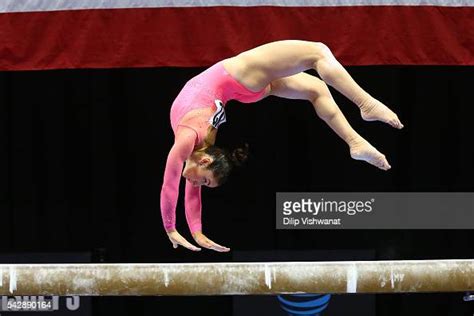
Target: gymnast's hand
{"x": 176, "y": 239}
{"x": 205, "y": 242}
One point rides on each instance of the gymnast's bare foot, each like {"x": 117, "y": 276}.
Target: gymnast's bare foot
{"x": 374, "y": 110}
{"x": 362, "y": 150}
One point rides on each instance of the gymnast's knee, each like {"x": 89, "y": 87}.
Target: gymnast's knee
{"x": 325, "y": 63}
{"x": 326, "y": 112}
{"x": 321, "y": 51}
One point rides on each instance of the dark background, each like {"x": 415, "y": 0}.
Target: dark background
{"x": 82, "y": 156}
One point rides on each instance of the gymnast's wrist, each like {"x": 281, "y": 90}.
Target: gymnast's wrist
{"x": 170, "y": 230}
{"x": 196, "y": 233}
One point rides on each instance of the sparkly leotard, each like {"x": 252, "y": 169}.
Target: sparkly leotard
{"x": 211, "y": 88}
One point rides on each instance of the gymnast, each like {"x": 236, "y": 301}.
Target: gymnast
{"x": 276, "y": 69}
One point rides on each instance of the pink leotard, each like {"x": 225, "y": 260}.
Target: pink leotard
{"x": 213, "y": 84}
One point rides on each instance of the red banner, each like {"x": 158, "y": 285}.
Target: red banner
{"x": 200, "y": 36}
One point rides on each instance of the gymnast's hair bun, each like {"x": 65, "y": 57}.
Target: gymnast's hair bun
{"x": 240, "y": 155}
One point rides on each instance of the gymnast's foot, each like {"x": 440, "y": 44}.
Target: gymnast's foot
{"x": 361, "y": 150}
{"x": 374, "y": 110}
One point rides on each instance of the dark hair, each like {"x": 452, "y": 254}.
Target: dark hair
{"x": 224, "y": 161}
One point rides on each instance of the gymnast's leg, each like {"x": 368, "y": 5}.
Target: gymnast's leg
{"x": 306, "y": 87}
{"x": 257, "y": 67}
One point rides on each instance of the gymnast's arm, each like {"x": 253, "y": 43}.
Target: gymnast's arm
{"x": 193, "y": 207}
{"x": 181, "y": 150}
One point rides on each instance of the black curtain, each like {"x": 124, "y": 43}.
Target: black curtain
{"x": 82, "y": 156}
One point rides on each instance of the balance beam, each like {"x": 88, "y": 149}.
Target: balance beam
{"x": 237, "y": 278}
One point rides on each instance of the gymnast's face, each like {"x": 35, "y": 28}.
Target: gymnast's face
{"x": 196, "y": 172}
